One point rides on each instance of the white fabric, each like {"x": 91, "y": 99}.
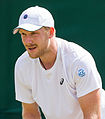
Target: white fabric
{"x": 34, "y": 18}
{"x": 58, "y": 101}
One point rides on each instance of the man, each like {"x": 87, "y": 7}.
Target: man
{"x": 59, "y": 76}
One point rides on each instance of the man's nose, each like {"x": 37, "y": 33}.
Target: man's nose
{"x": 28, "y": 40}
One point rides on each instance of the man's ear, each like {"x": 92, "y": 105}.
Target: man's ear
{"x": 51, "y": 32}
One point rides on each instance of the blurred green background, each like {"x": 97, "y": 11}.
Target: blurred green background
{"x": 79, "y": 21}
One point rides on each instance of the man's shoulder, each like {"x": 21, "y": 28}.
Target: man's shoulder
{"x": 24, "y": 56}
{"x": 73, "y": 54}
{"x": 23, "y": 60}
{"x": 72, "y": 49}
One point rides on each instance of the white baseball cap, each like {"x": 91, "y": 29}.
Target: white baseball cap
{"x": 34, "y": 18}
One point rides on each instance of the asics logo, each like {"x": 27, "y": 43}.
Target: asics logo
{"x": 62, "y": 80}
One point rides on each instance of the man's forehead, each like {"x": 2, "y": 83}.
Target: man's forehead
{"x": 25, "y": 31}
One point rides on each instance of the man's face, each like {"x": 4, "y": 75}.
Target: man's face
{"x": 36, "y": 42}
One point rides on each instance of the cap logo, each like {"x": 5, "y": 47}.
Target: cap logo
{"x": 25, "y": 16}
{"x": 81, "y": 72}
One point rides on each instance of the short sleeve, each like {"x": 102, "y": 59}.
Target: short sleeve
{"x": 86, "y": 76}
{"x": 23, "y": 92}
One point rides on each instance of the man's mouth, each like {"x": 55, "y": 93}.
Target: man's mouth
{"x": 32, "y": 48}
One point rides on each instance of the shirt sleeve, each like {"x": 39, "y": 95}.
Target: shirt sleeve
{"x": 22, "y": 90}
{"x": 86, "y": 76}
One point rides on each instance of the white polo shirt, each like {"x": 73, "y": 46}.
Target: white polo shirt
{"x": 56, "y": 90}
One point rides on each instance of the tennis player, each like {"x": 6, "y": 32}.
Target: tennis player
{"x": 59, "y": 76}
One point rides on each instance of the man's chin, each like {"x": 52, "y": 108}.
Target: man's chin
{"x": 32, "y": 56}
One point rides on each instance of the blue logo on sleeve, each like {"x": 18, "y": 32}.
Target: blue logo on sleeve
{"x": 81, "y": 72}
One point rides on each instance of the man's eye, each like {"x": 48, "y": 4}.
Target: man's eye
{"x": 23, "y": 34}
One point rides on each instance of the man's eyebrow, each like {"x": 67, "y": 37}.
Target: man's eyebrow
{"x": 34, "y": 32}
{"x": 19, "y": 31}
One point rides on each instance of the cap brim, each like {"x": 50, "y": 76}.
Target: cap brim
{"x": 27, "y": 27}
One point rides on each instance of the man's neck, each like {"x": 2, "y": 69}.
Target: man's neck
{"x": 47, "y": 61}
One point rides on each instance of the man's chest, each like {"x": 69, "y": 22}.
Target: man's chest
{"x": 51, "y": 92}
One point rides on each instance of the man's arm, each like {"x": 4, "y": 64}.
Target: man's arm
{"x": 30, "y": 111}
{"x": 90, "y": 105}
